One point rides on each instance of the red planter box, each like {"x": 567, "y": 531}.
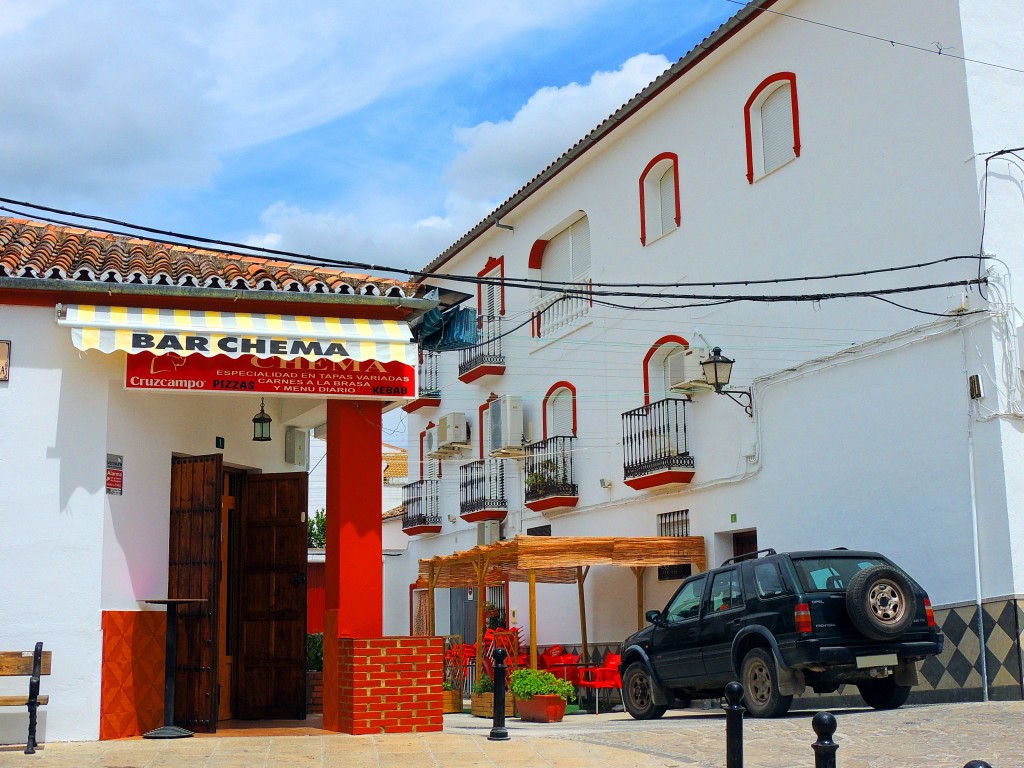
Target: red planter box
{"x": 541, "y": 709}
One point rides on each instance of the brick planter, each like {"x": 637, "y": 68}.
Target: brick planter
{"x": 314, "y": 692}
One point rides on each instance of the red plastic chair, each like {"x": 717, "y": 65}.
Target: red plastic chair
{"x": 606, "y": 676}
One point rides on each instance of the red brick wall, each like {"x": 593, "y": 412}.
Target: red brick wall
{"x": 314, "y": 692}
{"x": 384, "y": 684}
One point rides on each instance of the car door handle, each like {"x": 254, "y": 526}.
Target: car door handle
{"x": 734, "y": 623}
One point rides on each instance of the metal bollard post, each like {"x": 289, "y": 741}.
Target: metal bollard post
{"x": 734, "y": 725}
{"x": 977, "y": 764}
{"x": 824, "y": 725}
{"x": 498, "y": 730}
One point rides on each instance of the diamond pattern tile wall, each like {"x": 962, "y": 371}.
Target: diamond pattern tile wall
{"x": 132, "y": 682}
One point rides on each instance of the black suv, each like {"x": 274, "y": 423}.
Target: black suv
{"x": 780, "y": 623}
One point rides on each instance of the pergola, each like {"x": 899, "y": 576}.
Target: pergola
{"x": 553, "y": 560}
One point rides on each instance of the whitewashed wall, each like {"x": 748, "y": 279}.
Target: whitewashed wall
{"x": 70, "y": 550}
{"x": 874, "y": 453}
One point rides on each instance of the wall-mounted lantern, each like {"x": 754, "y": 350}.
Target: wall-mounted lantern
{"x": 261, "y": 425}
{"x": 717, "y": 372}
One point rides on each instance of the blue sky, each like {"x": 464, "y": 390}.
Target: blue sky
{"x": 369, "y": 131}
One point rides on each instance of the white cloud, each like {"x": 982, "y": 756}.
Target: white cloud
{"x": 495, "y": 160}
{"x": 109, "y": 100}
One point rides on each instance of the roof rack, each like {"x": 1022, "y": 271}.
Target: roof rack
{"x": 748, "y": 556}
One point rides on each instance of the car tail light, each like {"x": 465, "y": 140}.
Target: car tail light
{"x": 928, "y": 612}
{"x": 802, "y": 615}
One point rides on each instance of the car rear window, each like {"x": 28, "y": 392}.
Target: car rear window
{"x": 830, "y": 572}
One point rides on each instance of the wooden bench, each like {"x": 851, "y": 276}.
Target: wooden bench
{"x": 31, "y": 664}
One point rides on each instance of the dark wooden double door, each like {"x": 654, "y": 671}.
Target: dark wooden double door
{"x": 238, "y": 541}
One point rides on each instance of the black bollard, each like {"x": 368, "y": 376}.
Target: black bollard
{"x": 824, "y": 724}
{"x": 734, "y": 725}
{"x": 977, "y": 764}
{"x": 498, "y": 730}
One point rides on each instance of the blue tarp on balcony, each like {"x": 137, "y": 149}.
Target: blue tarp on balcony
{"x": 446, "y": 331}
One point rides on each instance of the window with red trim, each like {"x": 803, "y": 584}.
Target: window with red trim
{"x": 772, "y": 125}
{"x": 659, "y": 197}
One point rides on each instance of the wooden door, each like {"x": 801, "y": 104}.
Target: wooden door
{"x": 271, "y": 658}
{"x": 744, "y": 543}
{"x": 193, "y": 572}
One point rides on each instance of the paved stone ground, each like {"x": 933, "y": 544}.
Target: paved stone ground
{"x": 936, "y": 736}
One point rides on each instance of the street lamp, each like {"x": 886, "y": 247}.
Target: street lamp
{"x": 717, "y": 372}
{"x": 261, "y": 425}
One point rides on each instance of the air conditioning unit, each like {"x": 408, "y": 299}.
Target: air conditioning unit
{"x": 452, "y": 433}
{"x": 488, "y": 532}
{"x": 430, "y": 443}
{"x": 505, "y": 427}
{"x": 685, "y": 374}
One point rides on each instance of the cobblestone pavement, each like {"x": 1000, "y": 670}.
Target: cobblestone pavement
{"x": 936, "y": 736}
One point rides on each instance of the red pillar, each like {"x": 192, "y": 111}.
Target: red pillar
{"x": 354, "y": 578}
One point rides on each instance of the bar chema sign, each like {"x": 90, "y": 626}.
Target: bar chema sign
{"x": 233, "y": 345}
{"x": 316, "y": 377}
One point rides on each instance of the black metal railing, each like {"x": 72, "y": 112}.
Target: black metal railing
{"x": 430, "y": 382}
{"x": 549, "y": 468}
{"x": 654, "y": 438}
{"x": 421, "y": 504}
{"x": 488, "y": 351}
{"x": 482, "y": 486}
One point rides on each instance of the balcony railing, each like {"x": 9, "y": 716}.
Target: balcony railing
{"x": 654, "y": 441}
{"x": 421, "y": 506}
{"x": 430, "y": 382}
{"x": 482, "y": 491}
{"x": 487, "y": 354}
{"x": 556, "y": 310}
{"x": 549, "y": 474}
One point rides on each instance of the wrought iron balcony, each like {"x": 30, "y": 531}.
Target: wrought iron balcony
{"x": 482, "y": 491}
{"x": 654, "y": 446}
{"x": 429, "y": 382}
{"x": 421, "y": 507}
{"x": 486, "y": 358}
{"x": 549, "y": 476}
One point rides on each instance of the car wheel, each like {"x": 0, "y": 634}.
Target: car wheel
{"x": 884, "y": 693}
{"x": 638, "y": 693}
{"x": 880, "y": 602}
{"x": 761, "y": 685}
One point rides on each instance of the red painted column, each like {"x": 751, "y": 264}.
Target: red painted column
{"x": 354, "y": 577}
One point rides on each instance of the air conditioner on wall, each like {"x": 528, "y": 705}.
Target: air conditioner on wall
{"x": 452, "y": 433}
{"x": 505, "y": 427}
{"x": 430, "y": 443}
{"x": 685, "y": 374}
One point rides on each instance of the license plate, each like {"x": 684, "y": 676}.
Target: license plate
{"x": 882, "y": 660}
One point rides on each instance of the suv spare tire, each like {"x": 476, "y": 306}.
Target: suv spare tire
{"x": 880, "y": 602}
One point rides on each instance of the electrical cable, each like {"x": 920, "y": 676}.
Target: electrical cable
{"x": 938, "y": 50}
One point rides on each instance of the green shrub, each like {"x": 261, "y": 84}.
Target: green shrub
{"x": 527, "y": 683}
{"x": 483, "y": 684}
{"x": 316, "y": 532}
{"x": 315, "y": 652}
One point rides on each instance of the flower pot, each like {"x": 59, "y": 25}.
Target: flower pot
{"x": 545, "y": 708}
{"x": 451, "y": 701}
{"x": 483, "y": 705}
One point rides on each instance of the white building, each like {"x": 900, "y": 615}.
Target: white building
{"x": 803, "y": 139}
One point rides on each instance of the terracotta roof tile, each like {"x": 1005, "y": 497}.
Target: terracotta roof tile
{"x": 41, "y": 251}
{"x": 397, "y": 465}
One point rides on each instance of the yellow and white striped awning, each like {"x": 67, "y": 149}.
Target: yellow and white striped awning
{"x": 235, "y": 334}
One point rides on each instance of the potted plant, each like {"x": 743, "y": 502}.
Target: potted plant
{"x": 540, "y": 696}
{"x": 451, "y": 698}
{"x": 482, "y": 699}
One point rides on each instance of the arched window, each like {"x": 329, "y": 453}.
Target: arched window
{"x": 659, "y": 197}
{"x": 772, "y": 123}
{"x": 562, "y": 258}
{"x": 671, "y": 369}
{"x": 560, "y": 411}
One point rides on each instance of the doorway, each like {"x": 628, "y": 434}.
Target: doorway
{"x": 238, "y": 542}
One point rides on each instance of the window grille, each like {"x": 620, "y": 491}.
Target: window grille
{"x": 674, "y": 524}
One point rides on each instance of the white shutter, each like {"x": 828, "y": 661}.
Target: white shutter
{"x": 667, "y": 190}
{"x": 557, "y": 263}
{"x": 580, "y": 234}
{"x": 560, "y": 414}
{"x": 777, "y": 128}
{"x": 675, "y": 369}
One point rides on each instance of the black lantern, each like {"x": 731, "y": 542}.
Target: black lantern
{"x": 261, "y": 425}
{"x": 717, "y": 369}
{"x": 717, "y": 372}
